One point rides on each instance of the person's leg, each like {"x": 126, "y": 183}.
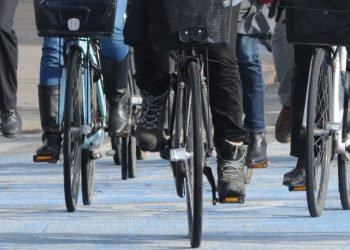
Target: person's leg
{"x": 302, "y": 58}
{"x": 10, "y": 119}
{"x": 226, "y": 107}
{"x": 152, "y": 78}
{"x": 282, "y": 52}
{"x": 253, "y": 98}
{"x": 48, "y": 93}
{"x": 115, "y": 66}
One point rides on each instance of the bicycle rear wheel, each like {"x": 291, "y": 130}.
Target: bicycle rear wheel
{"x": 195, "y": 149}
{"x": 72, "y": 122}
{"x": 318, "y": 138}
{"x": 343, "y": 163}
{"x": 132, "y": 157}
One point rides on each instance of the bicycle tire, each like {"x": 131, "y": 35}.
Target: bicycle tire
{"x": 343, "y": 164}
{"x": 124, "y": 154}
{"x": 72, "y": 136}
{"x": 116, "y": 146}
{"x": 318, "y": 139}
{"x": 87, "y": 176}
{"x": 132, "y": 157}
{"x": 194, "y": 166}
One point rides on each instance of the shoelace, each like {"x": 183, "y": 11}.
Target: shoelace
{"x": 150, "y": 111}
{"x": 232, "y": 168}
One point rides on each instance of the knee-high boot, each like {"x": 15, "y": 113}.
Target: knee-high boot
{"x": 48, "y": 106}
{"x": 115, "y": 77}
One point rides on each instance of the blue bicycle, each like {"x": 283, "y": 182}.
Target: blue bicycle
{"x": 82, "y": 115}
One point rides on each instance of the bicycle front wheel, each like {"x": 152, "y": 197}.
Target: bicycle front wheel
{"x": 343, "y": 163}
{"x": 72, "y": 137}
{"x": 318, "y": 138}
{"x": 195, "y": 149}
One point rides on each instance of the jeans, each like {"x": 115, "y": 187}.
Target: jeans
{"x": 112, "y": 47}
{"x": 152, "y": 75}
{"x": 252, "y": 82}
{"x": 8, "y": 56}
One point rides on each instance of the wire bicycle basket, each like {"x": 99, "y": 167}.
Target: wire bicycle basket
{"x": 181, "y": 23}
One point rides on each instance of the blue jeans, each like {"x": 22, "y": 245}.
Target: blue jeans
{"x": 112, "y": 47}
{"x": 253, "y": 85}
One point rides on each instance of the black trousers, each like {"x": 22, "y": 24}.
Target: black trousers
{"x": 8, "y": 55}
{"x": 302, "y": 60}
{"x": 152, "y": 75}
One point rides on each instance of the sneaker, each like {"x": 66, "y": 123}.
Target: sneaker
{"x": 283, "y": 125}
{"x": 11, "y": 123}
{"x": 230, "y": 159}
{"x": 256, "y": 152}
{"x": 150, "y": 127}
{"x": 295, "y": 177}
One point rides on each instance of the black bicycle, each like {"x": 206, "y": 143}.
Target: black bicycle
{"x": 188, "y": 29}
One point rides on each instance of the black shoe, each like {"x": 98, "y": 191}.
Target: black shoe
{"x": 283, "y": 125}
{"x": 296, "y": 175}
{"x": 256, "y": 153}
{"x": 150, "y": 128}
{"x": 230, "y": 159}
{"x": 298, "y": 179}
{"x": 51, "y": 147}
{"x": 119, "y": 116}
{"x": 11, "y": 123}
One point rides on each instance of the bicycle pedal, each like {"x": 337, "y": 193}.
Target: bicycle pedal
{"x": 297, "y": 188}
{"x": 232, "y": 199}
{"x": 258, "y": 165}
{"x": 44, "y": 158}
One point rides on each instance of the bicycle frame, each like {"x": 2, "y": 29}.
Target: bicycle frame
{"x": 90, "y": 60}
{"x": 340, "y": 82}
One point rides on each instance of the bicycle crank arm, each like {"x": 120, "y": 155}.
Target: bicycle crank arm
{"x": 99, "y": 155}
{"x": 209, "y": 174}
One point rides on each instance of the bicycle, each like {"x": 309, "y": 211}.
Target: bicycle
{"x": 326, "y": 119}
{"x": 182, "y": 29}
{"x": 125, "y": 147}
{"x": 82, "y": 115}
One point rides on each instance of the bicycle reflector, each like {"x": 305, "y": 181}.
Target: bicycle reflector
{"x": 193, "y": 35}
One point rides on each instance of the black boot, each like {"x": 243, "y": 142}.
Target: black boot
{"x": 230, "y": 159}
{"x": 48, "y": 106}
{"x": 150, "y": 127}
{"x": 256, "y": 153}
{"x": 115, "y": 78}
{"x": 295, "y": 177}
